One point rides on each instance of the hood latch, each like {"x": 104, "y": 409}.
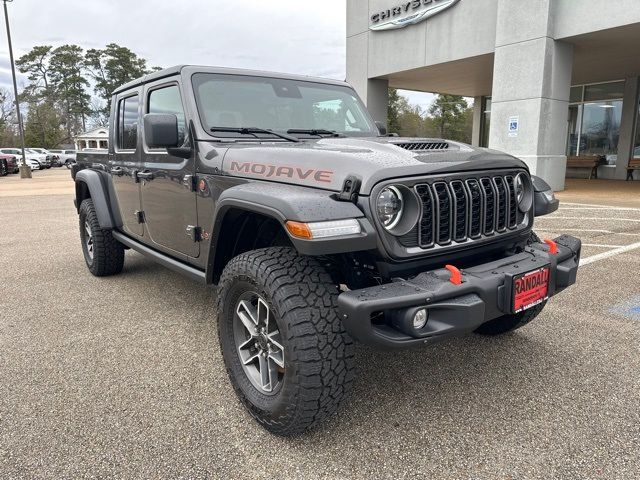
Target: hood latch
{"x": 350, "y": 189}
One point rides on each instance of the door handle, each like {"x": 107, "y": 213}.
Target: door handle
{"x": 144, "y": 176}
{"x": 118, "y": 171}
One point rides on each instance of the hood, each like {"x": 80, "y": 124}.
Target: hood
{"x": 327, "y": 162}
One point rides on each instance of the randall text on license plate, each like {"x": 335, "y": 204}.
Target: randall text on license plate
{"x": 530, "y": 289}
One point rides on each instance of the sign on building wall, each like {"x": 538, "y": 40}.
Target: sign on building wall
{"x": 514, "y": 126}
{"x": 408, "y": 13}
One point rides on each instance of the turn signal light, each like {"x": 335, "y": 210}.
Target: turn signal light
{"x": 299, "y": 229}
{"x": 332, "y": 228}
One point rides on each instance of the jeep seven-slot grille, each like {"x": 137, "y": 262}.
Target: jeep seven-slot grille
{"x": 461, "y": 210}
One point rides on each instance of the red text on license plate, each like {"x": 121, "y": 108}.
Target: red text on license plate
{"x": 530, "y": 289}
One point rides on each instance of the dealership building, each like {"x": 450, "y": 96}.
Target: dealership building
{"x": 555, "y": 82}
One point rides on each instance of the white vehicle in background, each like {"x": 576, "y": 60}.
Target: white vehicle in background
{"x": 43, "y": 158}
{"x": 52, "y": 156}
{"x": 31, "y": 157}
{"x": 65, "y": 157}
{"x": 33, "y": 164}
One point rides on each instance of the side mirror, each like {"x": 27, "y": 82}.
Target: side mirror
{"x": 544, "y": 200}
{"x": 381, "y": 128}
{"x": 161, "y": 130}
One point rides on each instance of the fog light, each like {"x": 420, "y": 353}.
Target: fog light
{"x": 420, "y": 318}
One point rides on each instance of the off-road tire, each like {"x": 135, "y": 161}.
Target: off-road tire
{"x": 319, "y": 355}
{"x": 108, "y": 253}
{"x": 4, "y": 169}
{"x": 508, "y": 323}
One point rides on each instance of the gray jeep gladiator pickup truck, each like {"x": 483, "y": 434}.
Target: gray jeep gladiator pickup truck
{"x": 317, "y": 227}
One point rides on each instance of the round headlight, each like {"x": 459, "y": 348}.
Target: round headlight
{"x": 524, "y": 192}
{"x": 389, "y": 206}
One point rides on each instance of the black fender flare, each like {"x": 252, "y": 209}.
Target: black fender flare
{"x": 98, "y": 186}
{"x": 301, "y": 204}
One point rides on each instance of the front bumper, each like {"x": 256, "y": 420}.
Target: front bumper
{"x": 453, "y": 309}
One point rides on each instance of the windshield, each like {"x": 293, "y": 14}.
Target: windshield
{"x": 235, "y": 101}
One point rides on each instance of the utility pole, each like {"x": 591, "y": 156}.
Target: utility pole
{"x": 25, "y": 170}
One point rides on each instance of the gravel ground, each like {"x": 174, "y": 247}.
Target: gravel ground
{"x": 122, "y": 376}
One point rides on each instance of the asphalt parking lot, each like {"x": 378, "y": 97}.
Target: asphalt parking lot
{"x": 123, "y": 377}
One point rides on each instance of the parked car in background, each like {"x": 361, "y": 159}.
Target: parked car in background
{"x": 34, "y": 164}
{"x": 18, "y": 154}
{"x": 31, "y": 158}
{"x": 52, "y": 156}
{"x": 42, "y": 158}
{"x": 65, "y": 157}
{"x": 8, "y": 164}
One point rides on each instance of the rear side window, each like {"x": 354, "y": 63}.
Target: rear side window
{"x": 128, "y": 123}
{"x": 167, "y": 100}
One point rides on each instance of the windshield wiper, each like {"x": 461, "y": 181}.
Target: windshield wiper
{"x": 253, "y": 131}
{"x": 318, "y": 132}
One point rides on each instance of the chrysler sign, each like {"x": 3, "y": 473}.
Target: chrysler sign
{"x": 408, "y": 13}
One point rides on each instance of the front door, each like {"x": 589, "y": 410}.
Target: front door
{"x": 167, "y": 181}
{"x": 125, "y": 163}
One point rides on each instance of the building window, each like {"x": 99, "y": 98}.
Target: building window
{"x": 594, "y": 120}
{"x": 485, "y": 121}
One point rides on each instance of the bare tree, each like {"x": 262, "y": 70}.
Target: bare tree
{"x": 98, "y": 116}
{"x": 7, "y": 106}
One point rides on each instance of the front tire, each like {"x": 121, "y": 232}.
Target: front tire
{"x": 4, "y": 170}
{"x": 277, "y": 310}
{"x": 103, "y": 254}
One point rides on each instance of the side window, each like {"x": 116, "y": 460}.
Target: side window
{"x": 167, "y": 100}
{"x": 128, "y": 123}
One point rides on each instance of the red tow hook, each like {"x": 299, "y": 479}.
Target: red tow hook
{"x": 456, "y": 276}
{"x": 553, "y": 246}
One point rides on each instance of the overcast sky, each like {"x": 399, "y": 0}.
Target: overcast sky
{"x": 300, "y": 36}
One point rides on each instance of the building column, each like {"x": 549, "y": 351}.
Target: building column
{"x": 627, "y": 126}
{"x": 477, "y": 121}
{"x": 530, "y": 95}
{"x": 373, "y": 92}
{"x": 377, "y": 99}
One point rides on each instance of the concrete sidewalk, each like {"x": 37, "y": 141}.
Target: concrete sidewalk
{"x": 55, "y": 181}
{"x": 615, "y": 193}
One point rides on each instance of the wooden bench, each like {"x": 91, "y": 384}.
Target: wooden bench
{"x": 586, "y": 161}
{"x": 634, "y": 164}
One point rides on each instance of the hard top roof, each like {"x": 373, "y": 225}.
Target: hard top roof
{"x": 168, "y": 72}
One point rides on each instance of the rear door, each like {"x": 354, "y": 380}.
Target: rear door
{"x": 125, "y": 162}
{"x": 167, "y": 181}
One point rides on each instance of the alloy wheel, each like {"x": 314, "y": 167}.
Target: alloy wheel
{"x": 88, "y": 239}
{"x": 258, "y": 343}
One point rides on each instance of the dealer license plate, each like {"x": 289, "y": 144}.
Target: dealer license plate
{"x": 530, "y": 289}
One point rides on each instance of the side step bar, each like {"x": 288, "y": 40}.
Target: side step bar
{"x": 171, "y": 263}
